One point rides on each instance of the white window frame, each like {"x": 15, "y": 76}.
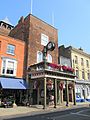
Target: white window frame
{"x": 49, "y": 58}
{"x": 9, "y": 50}
{"x": 6, "y": 66}
{"x": 39, "y": 59}
{"x": 44, "y": 39}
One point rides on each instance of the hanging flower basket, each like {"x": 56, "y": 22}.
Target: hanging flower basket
{"x": 61, "y": 86}
{"x": 49, "y": 85}
{"x": 70, "y": 86}
{"x": 55, "y": 66}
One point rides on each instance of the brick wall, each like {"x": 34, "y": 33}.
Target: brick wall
{"x": 29, "y": 29}
{"x": 19, "y": 53}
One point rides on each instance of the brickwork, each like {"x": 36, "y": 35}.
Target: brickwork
{"x": 19, "y": 53}
{"x": 29, "y": 30}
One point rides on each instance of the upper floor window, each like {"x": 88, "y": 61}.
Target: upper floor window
{"x": 9, "y": 67}
{"x": 44, "y": 39}
{"x": 0, "y": 45}
{"x": 39, "y": 56}
{"x": 83, "y": 74}
{"x": 82, "y": 62}
{"x": 88, "y": 75}
{"x": 87, "y": 63}
{"x": 49, "y": 58}
{"x": 11, "y": 49}
{"x": 77, "y": 73}
{"x": 76, "y": 60}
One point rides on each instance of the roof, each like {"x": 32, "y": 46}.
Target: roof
{"x": 6, "y": 20}
{"x": 71, "y": 48}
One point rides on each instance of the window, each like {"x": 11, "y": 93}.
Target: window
{"x": 82, "y": 62}
{"x": 44, "y": 39}
{"x": 11, "y": 49}
{"x": 88, "y": 75}
{"x": 0, "y": 45}
{"x": 3, "y": 67}
{"x": 83, "y": 75}
{"x": 9, "y": 67}
{"x": 87, "y": 63}
{"x": 76, "y": 60}
{"x": 49, "y": 58}
{"x": 39, "y": 56}
{"x": 77, "y": 73}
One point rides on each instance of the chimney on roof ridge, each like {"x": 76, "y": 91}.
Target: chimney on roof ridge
{"x": 21, "y": 20}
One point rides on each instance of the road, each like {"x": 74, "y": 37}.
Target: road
{"x": 70, "y": 114}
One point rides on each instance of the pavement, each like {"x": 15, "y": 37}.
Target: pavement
{"x": 38, "y": 109}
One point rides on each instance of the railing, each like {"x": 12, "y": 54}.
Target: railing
{"x": 50, "y": 66}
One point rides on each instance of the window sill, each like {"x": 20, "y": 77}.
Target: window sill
{"x": 10, "y": 54}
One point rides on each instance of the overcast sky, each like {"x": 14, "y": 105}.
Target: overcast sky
{"x": 70, "y": 17}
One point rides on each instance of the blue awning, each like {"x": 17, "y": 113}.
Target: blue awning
{"x": 12, "y": 83}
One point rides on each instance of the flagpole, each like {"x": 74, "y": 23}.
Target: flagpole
{"x": 31, "y": 5}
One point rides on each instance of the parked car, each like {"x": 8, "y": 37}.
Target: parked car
{"x": 80, "y": 99}
{"x": 88, "y": 98}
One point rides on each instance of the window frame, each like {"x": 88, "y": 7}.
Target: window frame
{"x": 77, "y": 73}
{"x": 44, "y": 41}
{"x": 82, "y": 62}
{"x": 83, "y": 74}
{"x": 76, "y": 59}
{"x": 40, "y": 59}
{"x": 7, "y": 60}
{"x": 49, "y": 56}
{"x": 87, "y": 63}
{"x": 9, "y": 50}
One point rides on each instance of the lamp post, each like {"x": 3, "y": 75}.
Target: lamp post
{"x": 49, "y": 47}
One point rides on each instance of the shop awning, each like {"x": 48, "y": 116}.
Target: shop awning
{"x": 12, "y": 83}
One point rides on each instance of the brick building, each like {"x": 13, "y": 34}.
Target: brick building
{"x": 11, "y": 59}
{"x": 36, "y": 33}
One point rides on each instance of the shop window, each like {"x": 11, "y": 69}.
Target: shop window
{"x": 10, "y": 49}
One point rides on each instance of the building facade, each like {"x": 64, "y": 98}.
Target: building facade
{"x": 80, "y": 61}
{"x": 11, "y": 59}
{"x": 36, "y": 33}
{"x": 5, "y": 27}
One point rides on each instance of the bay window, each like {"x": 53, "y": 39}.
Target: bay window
{"x": 9, "y": 67}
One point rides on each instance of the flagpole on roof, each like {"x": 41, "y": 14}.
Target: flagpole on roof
{"x": 31, "y": 5}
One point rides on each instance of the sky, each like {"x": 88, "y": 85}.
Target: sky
{"x": 70, "y": 17}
